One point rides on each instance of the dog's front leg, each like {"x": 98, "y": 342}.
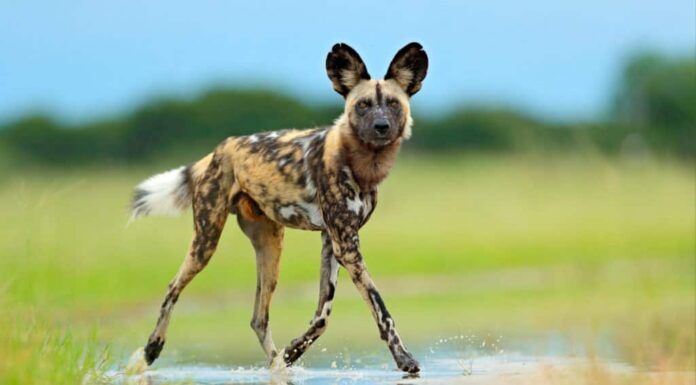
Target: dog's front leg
{"x": 327, "y": 288}
{"x": 346, "y": 249}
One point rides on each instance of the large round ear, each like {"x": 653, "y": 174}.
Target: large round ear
{"x": 345, "y": 68}
{"x": 409, "y": 67}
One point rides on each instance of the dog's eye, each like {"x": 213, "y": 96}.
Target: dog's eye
{"x": 363, "y": 105}
{"x": 392, "y": 103}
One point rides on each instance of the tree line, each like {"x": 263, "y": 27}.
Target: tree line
{"x": 653, "y": 109}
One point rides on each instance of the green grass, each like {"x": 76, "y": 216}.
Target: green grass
{"x": 513, "y": 245}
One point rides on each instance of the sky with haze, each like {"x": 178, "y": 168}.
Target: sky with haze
{"x": 560, "y": 59}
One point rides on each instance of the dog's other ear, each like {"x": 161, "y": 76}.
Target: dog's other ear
{"x": 409, "y": 67}
{"x": 345, "y": 68}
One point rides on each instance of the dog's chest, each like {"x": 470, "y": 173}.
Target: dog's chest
{"x": 361, "y": 204}
{"x": 353, "y": 200}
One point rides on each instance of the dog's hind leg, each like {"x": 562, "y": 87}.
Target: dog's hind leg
{"x": 267, "y": 238}
{"x": 210, "y": 211}
{"x": 327, "y": 289}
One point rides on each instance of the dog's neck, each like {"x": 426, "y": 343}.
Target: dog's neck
{"x": 369, "y": 165}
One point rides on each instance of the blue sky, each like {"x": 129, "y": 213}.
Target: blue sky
{"x": 84, "y": 59}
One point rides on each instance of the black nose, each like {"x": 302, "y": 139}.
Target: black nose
{"x": 381, "y": 127}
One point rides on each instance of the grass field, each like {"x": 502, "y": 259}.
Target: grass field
{"x": 597, "y": 251}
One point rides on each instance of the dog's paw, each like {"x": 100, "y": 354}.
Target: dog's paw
{"x": 136, "y": 362}
{"x": 407, "y": 363}
{"x": 153, "y": 349}
{"x": 278, "y": 362}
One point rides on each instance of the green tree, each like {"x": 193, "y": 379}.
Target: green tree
{"x": 656, "y": 97}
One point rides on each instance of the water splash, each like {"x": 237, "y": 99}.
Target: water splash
{"x": 457, "y": 359}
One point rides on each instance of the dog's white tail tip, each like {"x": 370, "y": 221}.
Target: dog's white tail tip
{"x": 167, "y": 193}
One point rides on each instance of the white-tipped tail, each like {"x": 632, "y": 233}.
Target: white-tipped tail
{"x": 167, "y": 193}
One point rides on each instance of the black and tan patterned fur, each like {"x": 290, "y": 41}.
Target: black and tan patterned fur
{"x": 322, "y": 179}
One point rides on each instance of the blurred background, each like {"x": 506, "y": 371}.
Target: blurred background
{"x": 545, "y": 201}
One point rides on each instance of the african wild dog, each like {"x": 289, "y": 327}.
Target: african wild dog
{"x": 322, "y": 179}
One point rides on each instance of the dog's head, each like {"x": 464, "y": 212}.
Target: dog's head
{"x": 377, "y": 111}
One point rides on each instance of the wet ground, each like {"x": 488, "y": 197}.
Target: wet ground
{"x": 483, "y": 370}
{"x": 458, "y": 360}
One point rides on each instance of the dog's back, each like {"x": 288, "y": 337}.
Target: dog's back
{"x": 277, "y": 170}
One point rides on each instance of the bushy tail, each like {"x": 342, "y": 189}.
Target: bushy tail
{"x": 167, "y": 193}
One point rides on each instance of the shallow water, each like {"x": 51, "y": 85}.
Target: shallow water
{"x": 435, "y": 371}
{"x": 458, "y": 360}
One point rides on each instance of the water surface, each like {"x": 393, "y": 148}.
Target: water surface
{"x": 458, "y": 360}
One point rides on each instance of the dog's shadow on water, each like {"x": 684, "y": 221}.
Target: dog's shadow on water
{"x": 203, "y": 377}
{"x": 215, "y": 376}
{"x": 294, "y": 376}
{"x": 272, "y": 379}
